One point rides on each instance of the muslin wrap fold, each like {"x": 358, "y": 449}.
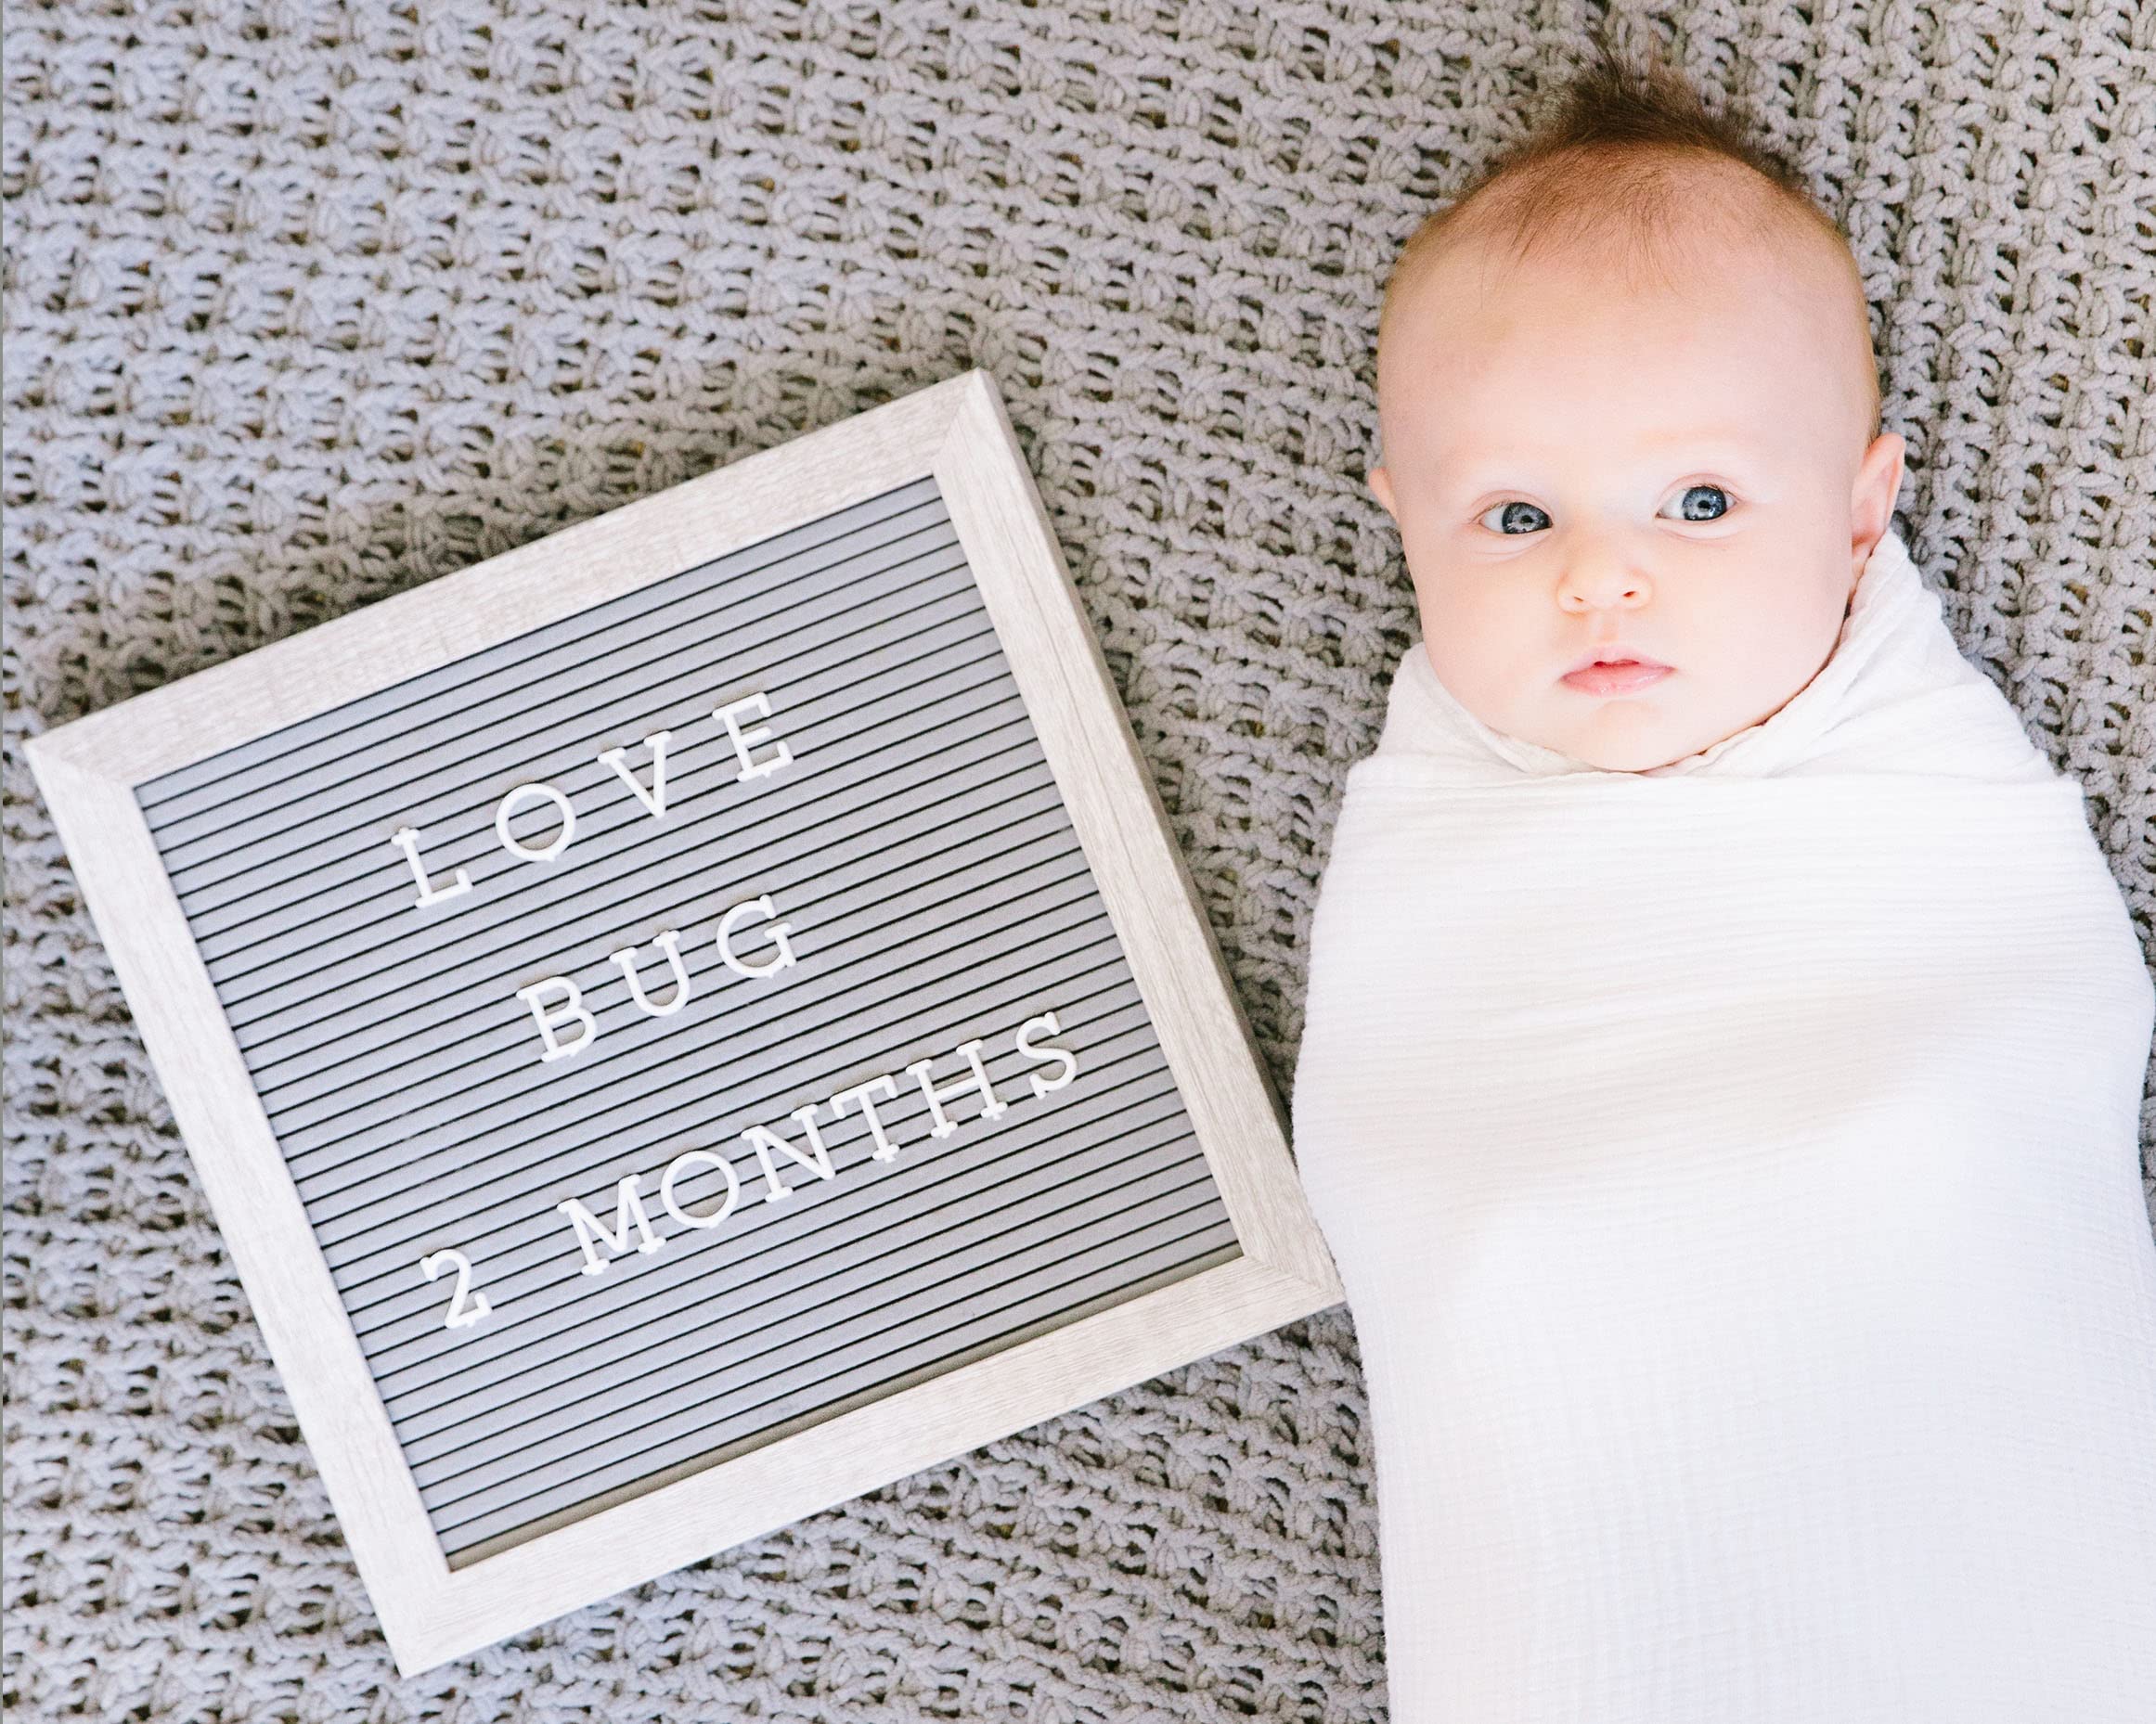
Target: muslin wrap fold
{"x": 1734, "y": 1173}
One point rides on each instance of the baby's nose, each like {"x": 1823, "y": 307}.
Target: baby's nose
{"x": 1596, "y": 577}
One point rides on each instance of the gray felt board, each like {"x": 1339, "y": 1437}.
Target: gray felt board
{"x": 933, "y": 891}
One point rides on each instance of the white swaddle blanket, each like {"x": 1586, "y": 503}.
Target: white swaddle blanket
{"x": 1733, "y": 1170}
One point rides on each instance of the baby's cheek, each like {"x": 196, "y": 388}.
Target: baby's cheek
{"x": 1786, "y": 648}
{"x": 1484, "y": 637}
{"x": 1474, "y": 665}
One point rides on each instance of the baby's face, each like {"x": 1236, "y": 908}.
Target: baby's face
{"x": 1682, "y": 474}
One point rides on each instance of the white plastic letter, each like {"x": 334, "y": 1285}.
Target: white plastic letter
{"x": 886, "y": 1150}
{"x": 777, "y": 938}
{"x": 626, "y": 959}
{"x": 572, "y": 1008}
{"x": 742, "y": 744}
{"x": 507, "y": 806}
{"x": 1041, "y": 1085}
{"x": 629, "y": 1205}
{"x": 764, "y": 1142}
{"x": 656, "y": 742}
{"x": 679, "y": 1167}
{"x": 990, "y": 1106}
{"x": 407, "y": 838}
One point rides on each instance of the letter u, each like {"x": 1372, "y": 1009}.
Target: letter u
{"x": 626, "y": 959}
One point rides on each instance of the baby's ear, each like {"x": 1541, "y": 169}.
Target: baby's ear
{"x": 1878, "y": 483}
{"x": 1381, "y": 487}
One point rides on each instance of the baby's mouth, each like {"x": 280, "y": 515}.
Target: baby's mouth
{"x": 1615, "y": 676}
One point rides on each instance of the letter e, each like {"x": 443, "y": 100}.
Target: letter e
{"x": 727, "y": 716}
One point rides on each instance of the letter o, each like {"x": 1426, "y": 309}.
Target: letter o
{"x": 508, "y": 807}
{"x": 677, "y": 1167}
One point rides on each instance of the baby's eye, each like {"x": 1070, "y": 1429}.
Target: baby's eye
{"x": 1703, "y": 502}
{"x": 1515, "y": 518}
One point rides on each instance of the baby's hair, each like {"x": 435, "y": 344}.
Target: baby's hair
{"x": 1613, "y": 166}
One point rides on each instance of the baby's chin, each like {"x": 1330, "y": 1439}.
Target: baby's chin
{"x": 1629, "y": 736}
{"x": 1641, "y": 757}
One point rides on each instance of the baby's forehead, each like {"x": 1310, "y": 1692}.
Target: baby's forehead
{"x": 1585, "y": 259}
{"x": 1635, "y": 220}
{"x": 1630, "y": 211}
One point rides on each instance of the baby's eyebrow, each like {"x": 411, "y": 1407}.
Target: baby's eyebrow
{"x": 1717, "y": 447}
{"x": 1657, "y": 462}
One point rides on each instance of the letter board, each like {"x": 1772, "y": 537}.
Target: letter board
{"x": 693, "y": 1020}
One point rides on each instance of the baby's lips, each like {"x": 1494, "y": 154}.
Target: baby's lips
{"x": 1608, "y": 678}
{"x": 1613, "y": 655}
{"x": 1616, "y": 653}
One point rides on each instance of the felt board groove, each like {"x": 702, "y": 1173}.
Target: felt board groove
{"x": 949, "y": 623}
{"x": 426, "y": 1385}
{"x": 996, "y": 737}
{"x": 412, "y": 1006}
{"x": 849, "y": 652}
{"x": 833, "y": 1348}
{"x": 523, "y": 1259}
{"x": 406, "y": 1350}
{"x": 521, "y": 1263}
{"x": 828, "y": 1309}
{"x": 1058, "y": 1302}
{"x": 478, "y": 754}
{"x": 1174, "y": 1242}
{"x": 1019, "y": 789}
{"x": 826, "y": 544}
{"x": 752, "y": 1344}
{"x": 923, "y": 736}
{"x": 421, "y": 1376}
{"x": 917, "y": 850}
{"x": 357, "y": 1042}
{"x": 571, "y": 1100}
{"x": 1081, "y": 1240}
{"x": 379, "y": 1224}
{"x": 1020, "y": 828}
{"x": 376, "y": 1224}
{"x": 1061, "y": 899}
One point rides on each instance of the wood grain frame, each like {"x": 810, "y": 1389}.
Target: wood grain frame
{"x": 959, "y": 431}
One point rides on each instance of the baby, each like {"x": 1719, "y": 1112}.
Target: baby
{"x": 1629, "y": 412}
{"x": 1721, "y": 1078}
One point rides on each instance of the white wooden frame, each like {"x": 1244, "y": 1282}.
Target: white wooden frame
{"x": 957, "y": 431}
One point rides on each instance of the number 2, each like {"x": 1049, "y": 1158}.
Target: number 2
{"x": 466, "y": 1308}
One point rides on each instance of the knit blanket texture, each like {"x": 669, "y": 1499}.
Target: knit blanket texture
{"x": 305, "y": 304}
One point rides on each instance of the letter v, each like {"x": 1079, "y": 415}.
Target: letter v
{"x": 657, "y": 800}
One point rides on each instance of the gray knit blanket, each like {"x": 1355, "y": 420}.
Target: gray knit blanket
{"x": 306, "y": 304}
